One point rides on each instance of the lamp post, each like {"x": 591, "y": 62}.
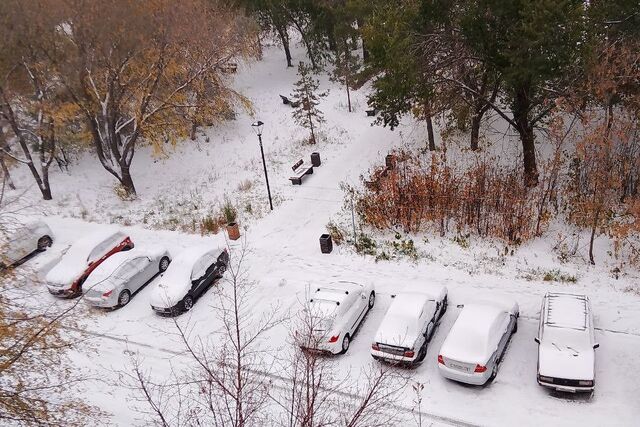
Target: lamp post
{"x": 257, "y": 127}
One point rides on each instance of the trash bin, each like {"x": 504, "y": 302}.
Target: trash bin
{"x": 390, "y": 161}
{"x": 315, "y": 159}
{"x": 326, "y": 244}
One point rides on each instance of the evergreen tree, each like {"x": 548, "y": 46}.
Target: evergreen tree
{"x": 307, "y": 98}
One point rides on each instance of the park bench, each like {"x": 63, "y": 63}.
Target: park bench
{"x": 300, "y": 170}
{"x": 372, "y": 112}
{"x": 287, "y": 101}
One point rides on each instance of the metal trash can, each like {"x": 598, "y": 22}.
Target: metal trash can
{"x": 315, "y": 159}
{"x": 390, "y": 161}
{"x": 326, "y": 244}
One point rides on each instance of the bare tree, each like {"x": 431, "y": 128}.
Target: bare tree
{"x": 229, "y": 382}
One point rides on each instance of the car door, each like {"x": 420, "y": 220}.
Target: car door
{"x": 198, "y": 276}
{"x": 140, "y": 273}
{"x": 503, "y": 328}
{"x": 359, "y": 303}
{"x": 211, "y": 272}
{"x": 17, "y": 245}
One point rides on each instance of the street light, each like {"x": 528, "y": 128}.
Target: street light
{"x": 257, "y": 127}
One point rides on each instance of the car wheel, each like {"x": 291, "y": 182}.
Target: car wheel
{"x": 188, "y": 303}
{"x": 222, "y": 269}
{"x": 124, "y": 298}
{"x": 422, "y": 354}
{"x": 164, "y": 264}
{"x": 494, "y": 372}
{"x": 372, "y": 300}
{"x": 44, "y": 242}
{"x": 345, "y": 344}
{"x": 445, "y": 304}
{"x": 515, "y": 326}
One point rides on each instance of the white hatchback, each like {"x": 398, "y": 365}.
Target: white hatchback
{"x": 408, "y": 326}
{"x": 477, "y": 342}
{"x": 332, "y": 316}
{"x": 566, "y": 350}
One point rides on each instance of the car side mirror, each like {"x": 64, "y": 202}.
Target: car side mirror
{"x": 536, "y": 339}
{"x": 596, "y": 346}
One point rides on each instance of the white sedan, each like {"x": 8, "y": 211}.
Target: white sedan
{"x": 408, "y": 326}
{"x": 190, "y": 274}
{"x": 117, "y": 279}
{"x": 566, "y": 338}
{"x": 24, "y": 240}
{"x": 333, "y": 314}
{"x": 477, "y": 342}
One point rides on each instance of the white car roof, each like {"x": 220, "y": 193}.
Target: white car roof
{"x": 409, "y": 304}
{"x": 567, "y": 311}
{"x": 400, "y": 324}
{"x": 468, "y": 339}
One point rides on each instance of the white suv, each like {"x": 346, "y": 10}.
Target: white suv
{"x": 566, "y": 343}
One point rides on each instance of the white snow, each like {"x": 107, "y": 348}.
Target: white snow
{"x": 284, "y": 260}
{"x": 470, "y": 339}
{"x": 175, "y": 282}
{"x": 567, "y": 311}
{"x": 400, "y": 325}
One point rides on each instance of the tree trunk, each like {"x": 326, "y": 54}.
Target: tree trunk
{"x": 475, "y": 131}
{"x": 7, "y": 175}
{"x": 284, "y": 39}
{"x": 525, "y": 130}
{"x": 432, "y": 141}
{"x": 127, "y": 181}
{"x": 593, "y": 236}
{"x": 194, "y": 128}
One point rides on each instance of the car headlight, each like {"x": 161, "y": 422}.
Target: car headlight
{"x": 545, "y": 379}
{"x": 587, "y": 383}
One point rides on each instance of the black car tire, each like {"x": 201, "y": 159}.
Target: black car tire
{"x": 346, "y": 341}
{"x": 187, "y": 303}
{"x": 515, "y": 326}
{"x": 125, "y": 296}
{"x": 445, "y": 304}
{"x": 422, "y": 354}
{"x": 494, "y": 372}
{"x": 372, "y": 299}
{"x": 222, "y": 269}
{"x": 164, "y": 264}
{"x": 44, "y": 242}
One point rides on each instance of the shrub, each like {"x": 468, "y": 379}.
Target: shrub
{"x": 211, "y": 224}
{"x": 484, "y": 199}
{"x": 229, "y": 212}
{"x": 336, "y": 233}
{"x": 245, "y": 185}
{"x": 366, "y": 245}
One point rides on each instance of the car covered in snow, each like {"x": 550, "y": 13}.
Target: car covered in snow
{"x": 23, "y": 240}
{"x": 65, "y": 279}
{"x": 408, "y": 326}
{"x": 333, "y": 314}
{"x": 117, "y": 279}
{"x": 189, "y": 275}
{"x": 566, "y": 343}
{"x": 477, "y": 342}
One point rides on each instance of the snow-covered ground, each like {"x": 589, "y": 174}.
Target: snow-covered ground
{"x": 284, "y": 258}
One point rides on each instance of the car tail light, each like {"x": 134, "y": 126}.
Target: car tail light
{"x": 440, "y": 359}
{"x": 334, "y": 338}
{"x": 480, "y": 369}
{"x": 409, "y": 353}
{"x": 107, "y": 294}
{"x": 375, "y": 346}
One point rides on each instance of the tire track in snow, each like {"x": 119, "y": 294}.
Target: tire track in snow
{"x": 438, "y": 418}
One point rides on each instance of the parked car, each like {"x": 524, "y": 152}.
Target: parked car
{"x": 187, "y": 278}
{"x": 408, "y": 326}
{"x": 25, "y": 240}
{"x": 477, "y": 342}
{"x": 566, "y": 343}
{"x": 116, "y": 280}
{"x": 65, "y": 279}
{"x": 333, "y": 314}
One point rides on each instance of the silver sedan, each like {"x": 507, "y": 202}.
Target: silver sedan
{"x": 119, "y": 277}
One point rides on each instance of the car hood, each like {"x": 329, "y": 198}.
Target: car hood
{"x": 66, "y": 271}
{"x": 562, "y": 361}
{"x": 167, "y": 294}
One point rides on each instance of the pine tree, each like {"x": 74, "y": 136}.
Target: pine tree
{"x": 346, "y": 66}
{"x": 307, "y": 98}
